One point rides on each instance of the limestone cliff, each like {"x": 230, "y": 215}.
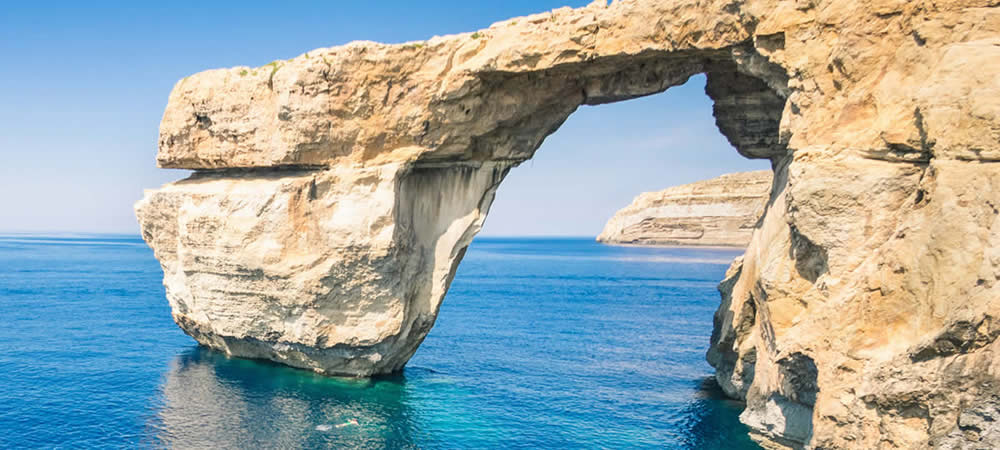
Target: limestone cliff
{"x": 720, "y": 211}
{"x": 335, "y": 193}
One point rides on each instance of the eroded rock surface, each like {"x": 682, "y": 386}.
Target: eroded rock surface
{"x": 335, "y": 193}
{"x": 720, "y": 211}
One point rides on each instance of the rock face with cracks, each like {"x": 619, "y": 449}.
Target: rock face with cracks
{"x": 720, "y": 211}
{"x": 334, "y": 194}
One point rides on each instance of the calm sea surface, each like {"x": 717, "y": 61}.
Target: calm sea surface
{"x": 540, "y": 343}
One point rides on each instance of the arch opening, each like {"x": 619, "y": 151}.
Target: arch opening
{"x": 747, "y": 110}
{"x": 603, "y": 156}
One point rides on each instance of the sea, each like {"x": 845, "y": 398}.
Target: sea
{"x": 540, "y": 343}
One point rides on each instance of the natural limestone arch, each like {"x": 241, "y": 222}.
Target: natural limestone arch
{"x": 335, "y": 193}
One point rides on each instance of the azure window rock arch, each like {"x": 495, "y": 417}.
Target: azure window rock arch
{"x": 334, "y": 195}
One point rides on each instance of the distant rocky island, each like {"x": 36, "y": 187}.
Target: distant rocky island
{"x": 721, "y": 211}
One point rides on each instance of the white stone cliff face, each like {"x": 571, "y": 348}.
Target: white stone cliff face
{"x": 332, "y": 270}
{"x": 335, "y": 193}
{"x": 721, "y": 211}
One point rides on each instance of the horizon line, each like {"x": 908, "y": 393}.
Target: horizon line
{"x": 123, "y": 233}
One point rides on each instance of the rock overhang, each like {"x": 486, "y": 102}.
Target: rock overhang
{"x": 504, "y": 87}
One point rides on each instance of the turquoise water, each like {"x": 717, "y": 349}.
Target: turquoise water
{"x": 540, "y": 343}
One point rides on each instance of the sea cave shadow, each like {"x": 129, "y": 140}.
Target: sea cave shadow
{"x": 713, "y": 420}
{"x": 209, "y": 400}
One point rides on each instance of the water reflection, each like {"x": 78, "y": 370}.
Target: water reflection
{"x": 210, "y": 401}
{"x": 526, "y": 353}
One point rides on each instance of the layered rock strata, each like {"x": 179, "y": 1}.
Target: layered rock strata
{"x": 721, "y": 211}
{"x": 336, "y": 192}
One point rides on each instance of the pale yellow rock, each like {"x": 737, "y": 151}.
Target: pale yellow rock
{"x": 336, "y": 193}
{"x": 721, "y": 211}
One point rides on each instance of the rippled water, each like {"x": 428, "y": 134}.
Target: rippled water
{"x": 540, "y": 343}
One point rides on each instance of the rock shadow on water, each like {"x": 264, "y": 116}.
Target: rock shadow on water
{"x": 712, "y": 420}
{"x": 208, "y": 400}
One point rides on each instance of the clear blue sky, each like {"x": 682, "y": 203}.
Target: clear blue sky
{"x": 84, "y": 85}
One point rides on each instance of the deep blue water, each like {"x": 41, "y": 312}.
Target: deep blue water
{"x": 540, "y": 343}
